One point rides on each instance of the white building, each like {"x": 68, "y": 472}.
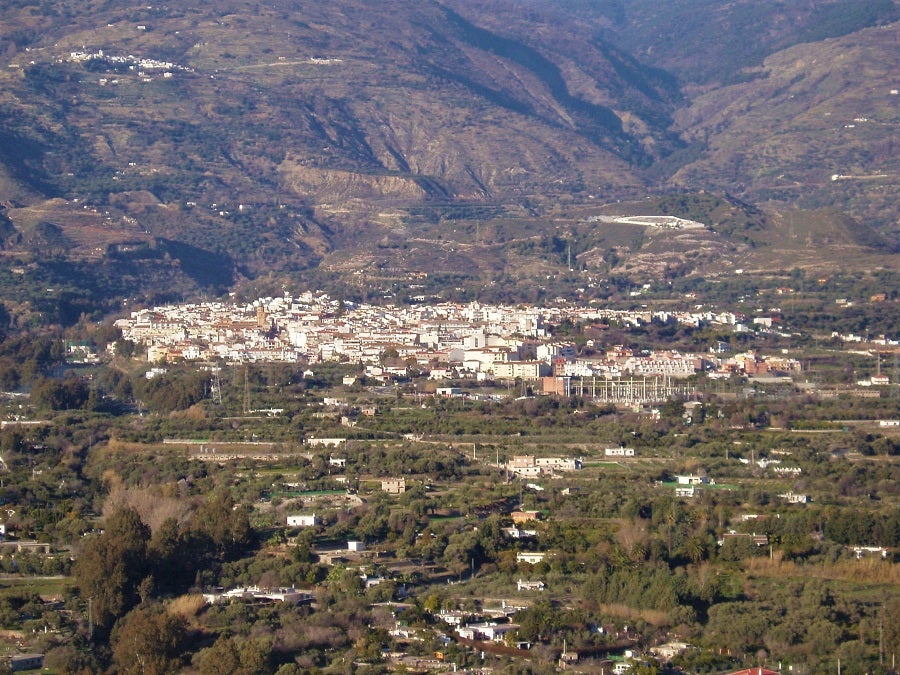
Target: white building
{"x": 303, "y": 520}
{"x": 619, "y": 452}
{"x": 523, "y": 585}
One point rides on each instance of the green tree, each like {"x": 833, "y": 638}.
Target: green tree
{"x": 290, "y": 669}
{"x": 223, "y": 658}
{"x": 71, "y": 659}
{"x": 5, "y": 320}
{"x": 148, "y": 642}
{"x": 169, "y": 556}
{"x": 236, "y": 656}
{"x": 111, "y": 566}
{"x": 222, "y": 526}
{"x": 68, "y": 394}
{"x": 890, "y": 621}
{"x": 696, "y": 548}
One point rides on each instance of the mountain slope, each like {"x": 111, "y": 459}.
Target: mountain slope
{"x": 815, "y": 126}
{"x": 324, "y": 89}
{"x": 711, "y": 42}
{"x": 230, "y": 141}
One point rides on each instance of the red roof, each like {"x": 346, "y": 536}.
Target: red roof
{"x": 755, "y": 671}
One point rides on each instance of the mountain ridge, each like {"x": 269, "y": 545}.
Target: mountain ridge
{"x": 279, "y": 139}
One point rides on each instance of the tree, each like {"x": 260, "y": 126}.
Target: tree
{"x": 695, "y": 548}
{"x": 223, "y": 527}
{"x": 70, "y": 659}
{"x": 9, "y": 375}
{"x": 170, "y": 558}
{"x": 111, "y": 566}
{"x": 290, "y": 669}
{"x": 672, "y": 409}
{"x": 222, "y": 658}
{"x": 68, "y": 394}
{"x": 890, "y": 621}
{"x": 5, "y": 319}
{"x": 149, "y": 642}
{"x": 233, "y": 656}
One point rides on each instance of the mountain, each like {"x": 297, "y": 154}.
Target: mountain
{"x": 152, "y": 151}
{"x": 706, "y": 43}
{"x": 814, "y": 126}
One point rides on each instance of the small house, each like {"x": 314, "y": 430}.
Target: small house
{"x": 523, "y": 585}
{"x": 303, "y": 520}
{"x": 394, "y": 486}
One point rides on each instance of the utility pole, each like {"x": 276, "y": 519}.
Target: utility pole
{"x": 217, "y": 388}
{"x": 246, "y": 390}
{"x": 894, "y": 382}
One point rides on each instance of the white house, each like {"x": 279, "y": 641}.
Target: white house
{"x": 488, "y": 631}
{"x": 453, "y": 617}
{"x": 516, "y": 533}
{"x": 326, "y": 442}
{"x": 523, "y": 585}
{"x": 691, "y": 479}
{"x": 619, "y": 452}
{"x": 303, "y": 520}
{"x": 559, "y": 463}
{"x": 669, "y": 650}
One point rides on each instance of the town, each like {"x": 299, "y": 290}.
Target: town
{"x": 448, "y": 341}
{"x": 453, "y": 487}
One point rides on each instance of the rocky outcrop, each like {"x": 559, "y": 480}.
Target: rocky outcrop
{"x": 335, "y": 187}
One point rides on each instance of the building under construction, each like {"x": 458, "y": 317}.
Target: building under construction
{"x": 618, "y": 391}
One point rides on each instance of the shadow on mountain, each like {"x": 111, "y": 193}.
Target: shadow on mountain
{"x": 207, "y": 269}
{"x": 23, "y": 158}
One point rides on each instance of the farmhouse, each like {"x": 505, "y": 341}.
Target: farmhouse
{"x": 325, "y": 442}
{"x": 394, "y": 486}
{"x": 558, "y": 463}
{"x": 691, "y": 479}
{"x": 489, "y": 631}
{"x": 523, "y": 585}
{"x": 301, "y": 520}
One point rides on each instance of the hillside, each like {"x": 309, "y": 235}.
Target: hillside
{"x": 815, "y": 126}
{"x": 716, "y": 42}
{"x": 219, "y": 144}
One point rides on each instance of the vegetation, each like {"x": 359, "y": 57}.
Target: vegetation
{"x": 736, "y": 571}
{"x": 145, "y": 512}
